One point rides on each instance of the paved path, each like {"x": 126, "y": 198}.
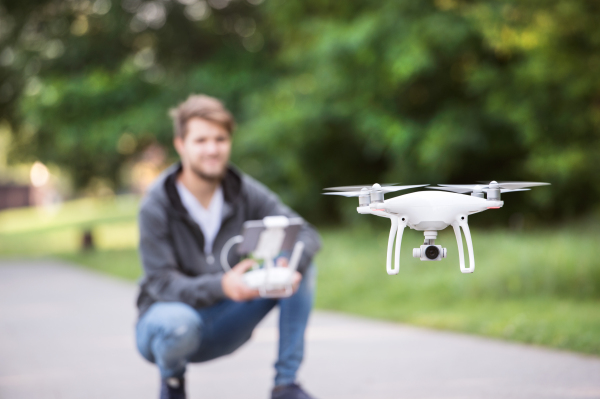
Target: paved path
{"x": 66, "y": 333}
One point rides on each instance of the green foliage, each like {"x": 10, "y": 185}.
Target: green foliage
{"x": 326, "y": 93}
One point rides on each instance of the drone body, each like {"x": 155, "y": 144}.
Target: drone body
{"x": 430, "y": 212}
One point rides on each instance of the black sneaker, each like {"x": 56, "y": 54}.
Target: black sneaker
{"x": 292, "y": 391}
{"x": 172, "y": 388}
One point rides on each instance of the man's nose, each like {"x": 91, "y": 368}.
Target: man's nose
{"x": 211, "y": 147}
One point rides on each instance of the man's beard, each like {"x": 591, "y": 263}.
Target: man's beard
{"x": 207, "y": 177}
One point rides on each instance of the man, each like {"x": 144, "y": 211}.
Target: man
{"x": 190, "y": 310}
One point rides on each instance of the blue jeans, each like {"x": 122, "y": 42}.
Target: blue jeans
{"x": 172, "y": 334}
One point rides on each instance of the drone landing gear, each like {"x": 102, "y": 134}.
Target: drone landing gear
{"x": 461, "y": 221}
{"x": 397, "y": 230}
{"x": 398, "y": 225}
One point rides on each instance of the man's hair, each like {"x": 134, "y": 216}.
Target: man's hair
{"x": 204, "y": 107}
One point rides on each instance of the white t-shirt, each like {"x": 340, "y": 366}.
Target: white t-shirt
{"x": 209, "y": 219}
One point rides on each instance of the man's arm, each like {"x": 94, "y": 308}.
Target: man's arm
{"x": 263, "y": 202}
{"x": 163, "y": 280}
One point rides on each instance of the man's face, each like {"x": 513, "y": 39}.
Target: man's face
{"x": 205, "y": 148}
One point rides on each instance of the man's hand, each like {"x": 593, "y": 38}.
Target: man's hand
{"x": 296, "y": 278}
{"x": 233, "y": 283}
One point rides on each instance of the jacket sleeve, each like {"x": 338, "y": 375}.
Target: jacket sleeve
{"x": 163, "y": 280}
{"x": 263, "y": 202}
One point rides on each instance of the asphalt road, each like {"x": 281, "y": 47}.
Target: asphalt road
{"x": 67, "y": 333}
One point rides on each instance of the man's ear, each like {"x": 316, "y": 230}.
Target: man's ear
{"x": 178, "y": 144}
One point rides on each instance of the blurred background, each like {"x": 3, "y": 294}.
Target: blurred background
{"x": 326, "y": 93}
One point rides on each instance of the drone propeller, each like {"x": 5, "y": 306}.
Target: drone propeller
{"x": 356, "y": 191}
{"x": 516, "y": 189}
{"x": 458, "y": 190}
{"x": 493, "y": 189}
{"x": 368, "y": 194}
{"x": 346, "y": 194}
{"x": 515, "y": 185}
{"x": 358, "y": 188}
{"x": 494, "y": 185}
{"x": 462, "y": 190}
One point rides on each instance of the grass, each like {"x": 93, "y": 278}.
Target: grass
{"x": 123, "y": 263}
{"x": 77, "y": 213}
{"x": 59, "y": 229}
{"x": 539, "y": 286}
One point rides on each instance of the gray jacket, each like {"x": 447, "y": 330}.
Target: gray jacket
{"x": 171, "y": 243}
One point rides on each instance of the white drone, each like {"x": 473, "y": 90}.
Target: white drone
{"x": 430, "y": 211}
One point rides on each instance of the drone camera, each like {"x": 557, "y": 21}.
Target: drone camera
{"x": 430, "y": 252}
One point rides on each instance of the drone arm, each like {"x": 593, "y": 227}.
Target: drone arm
{"x": 462, "y": 222}
{"x": 393, "y": 232}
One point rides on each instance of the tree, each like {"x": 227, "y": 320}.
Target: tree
{"x": 326, "y": 92}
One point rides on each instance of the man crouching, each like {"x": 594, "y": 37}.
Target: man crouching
{"x": 190, "y": 310}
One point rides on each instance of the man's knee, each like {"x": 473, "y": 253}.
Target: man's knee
{"x": 309, "y": 281}
{"x": 169, "y": 327}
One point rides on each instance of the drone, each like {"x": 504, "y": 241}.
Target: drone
{"x": 430, "y": 212}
